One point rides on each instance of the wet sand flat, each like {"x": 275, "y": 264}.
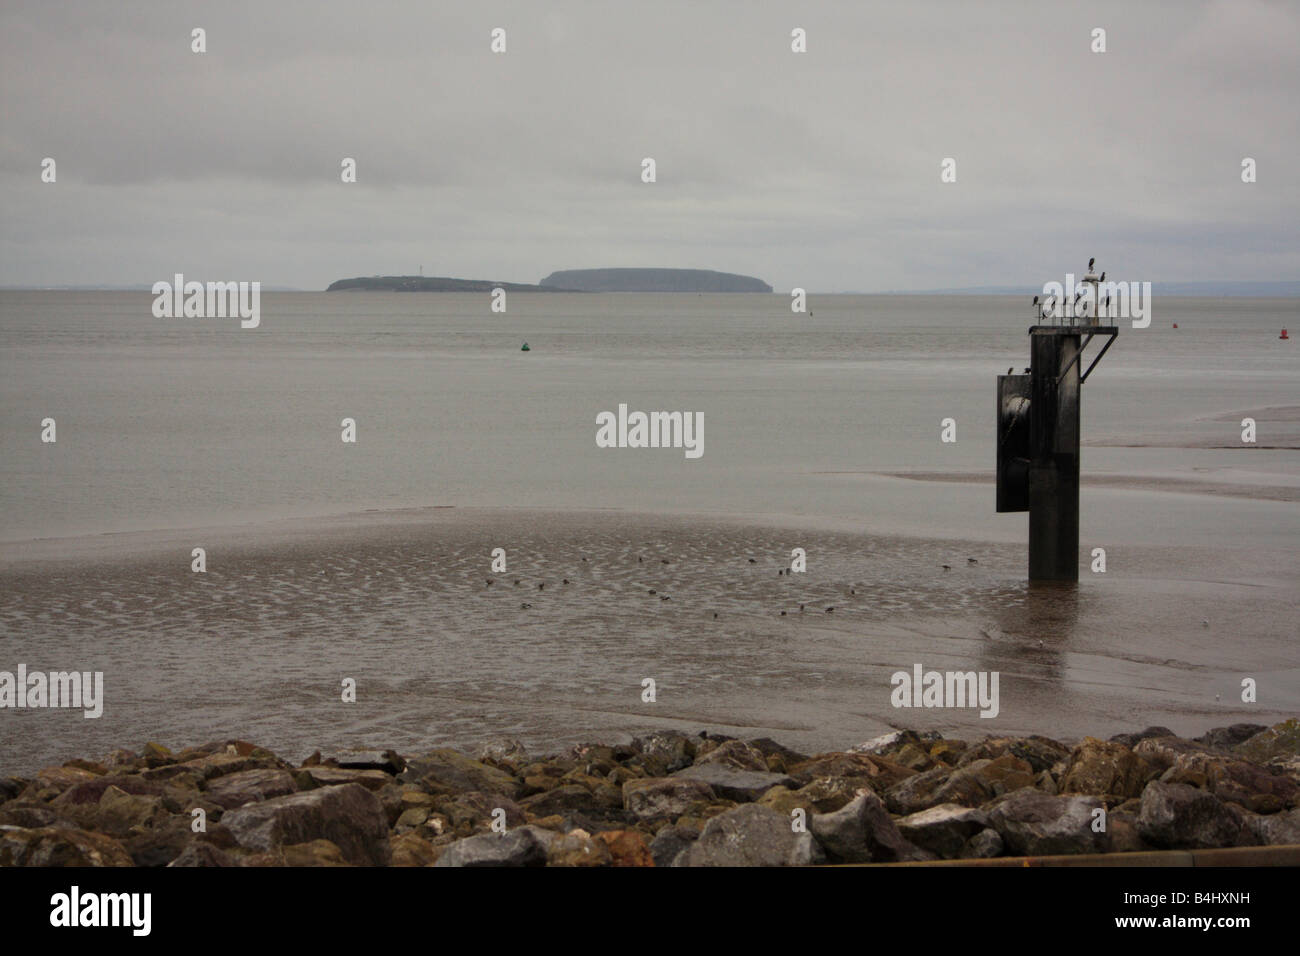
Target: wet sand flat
{"x": 257, "y": 647}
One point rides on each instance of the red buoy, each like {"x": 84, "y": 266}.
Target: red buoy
{"x": 1175, "y": 325}
{"x": 1284, "y": 335}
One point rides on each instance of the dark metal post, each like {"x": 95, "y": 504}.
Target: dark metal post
{"x": 1054, "y": 454}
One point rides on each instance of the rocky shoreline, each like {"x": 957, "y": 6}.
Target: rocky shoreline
{"x": 665, "y": 799}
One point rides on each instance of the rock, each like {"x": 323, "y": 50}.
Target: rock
{"x": 518, "y": 847}
{"x": 984, "y": 845}
{"x": 783, "y": 801}
{"x": 1279, "y": 743}
{"x": 249, "y": 786}
{"x": 1161, "y": 752}
{"x": 56, "y": 846}
{"x": 62, "y": 778}
{"x": 886, "y": 744}
{"x": 1037, "y": 824}
{"x": 221, "y": 764}
{"x": 313, "y": 853}
{"x": 159, "y": 846}
{"x": 384, "y": 761}
{"x": 1226, "y": 738}
{"x": 203, "y": 854}
{"x": 1000, "y": 775}
{"x": 732, "y": 784}
{"x": 559, "y": 799}
{"x": 325, "y": 776}
{"x": 914, "y": 794}
{"x": 1123, "y": 834}
{"x": 450, "y": 769}
{"x": 671, "y": 842}
{"x": 627, "y": 848}
{"x": 1102, "y": 768}
{"x": 943, "y": 830}
{"x": 862, "y": 832}
{"x": 118, "y": 812}
{"x": 1278, "y": 829}
{"x": 1177, "y": 816}
{"x": 864, "y": 770}
{"x": 750, "y": 835}
{"x": 1132, "y": 740}
{"x": 578, "y": 848}
{"x": 1234, "y": 781}
{"x": 497, "y": 752}
{"x": 671, "y": 751}
{"x": 948, "y": 751}
{"x": 735, "y": 754}
{"x": 769, "y": 748}
{"x": 411, "y": 849}
{"x": 92, "y": 791}
{"x": 34, "y": 818}
{"x": 824, "y": 794}
{"x": 664, "y": 796}
{"x": 155, "y": 755}
{"x": 476, "y": 809}
{"x": 349, "y": 815}
{"x": 914, "y": 758}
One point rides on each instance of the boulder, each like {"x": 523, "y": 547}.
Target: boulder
{"x": 862, "y": 832}
{"x": 1226, "y": 738}
{"x": 249, "y": 786}
{"x": 1102, "y": 768}
{"x": 350, "y": 816}
{"x": 57, "y": 846}
{"x": 451, "y": 770}
{"x": 664, "y": 796}
{"x": 578, "y": 848}
{"x": 984, "y": 845}
{"x": 1178, "y": 816}
{"x": 1032, "y": 823}
{"x": 670, "y": 842}
{"x": 1278, "y": 744}
{"x": 750, "y": 835}
{"x": 735, "y": 754}
{"x": 1234, "y": 781}
{"x": 732, "y": 784}
{"x": 203, "y": 854}
{"x": 943, "y": 830}
{"x": 627, "y": 848}
{"x": 325, "y": 776}
{"x": 559, "y": 799}
{"x": 1277, "y": 829}
{"x": 1131, "y": 740}
{"x": 518, "y": 847}
{"x": 411, "y": 849}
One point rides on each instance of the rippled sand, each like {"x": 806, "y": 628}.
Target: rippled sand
{"x": 258, "y": 645}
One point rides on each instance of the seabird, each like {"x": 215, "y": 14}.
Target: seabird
{"x": 752, "y": 561}
{"x": 525, "y": 606}
{"x": 1090, "y": 263}
{"x": 1103, "y": 275}
{"x": 542, "y": 585}
{"x": 566, "y": 580}
{"x": 971, "y": 561}
{"x": 715, "y": 615}
{"x": 801, "y": 607}
{"x": 829, "y": 609}
{"x": 653, "y": 591}
{"x": 1010, "y": 370}
{"x": 947, "y": 567}
{"x": 489, "y": 582}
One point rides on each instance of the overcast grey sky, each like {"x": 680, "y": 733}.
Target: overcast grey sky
{"x": 818, "y": 170}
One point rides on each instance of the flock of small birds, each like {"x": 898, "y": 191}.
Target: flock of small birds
{"x": 780, "y": 572}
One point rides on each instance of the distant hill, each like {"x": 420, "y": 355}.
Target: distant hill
{"x": 432, "y": 284}
{"x": 653, "y": 280}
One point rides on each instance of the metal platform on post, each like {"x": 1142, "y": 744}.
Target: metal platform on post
{"x": 1038, "y": 432}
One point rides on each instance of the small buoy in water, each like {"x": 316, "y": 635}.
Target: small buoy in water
{"x": 1284, "y": 335}
{"x": 525, "y": 348}
{"x": 1175, "y": 325}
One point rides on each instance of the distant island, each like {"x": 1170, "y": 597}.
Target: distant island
{"x": 432, "y": 284}
{"x": 572, "y": 280}
{"x": 653, "y": 280}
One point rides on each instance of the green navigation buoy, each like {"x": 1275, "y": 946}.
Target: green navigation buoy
{"x": 525, "y": 348}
